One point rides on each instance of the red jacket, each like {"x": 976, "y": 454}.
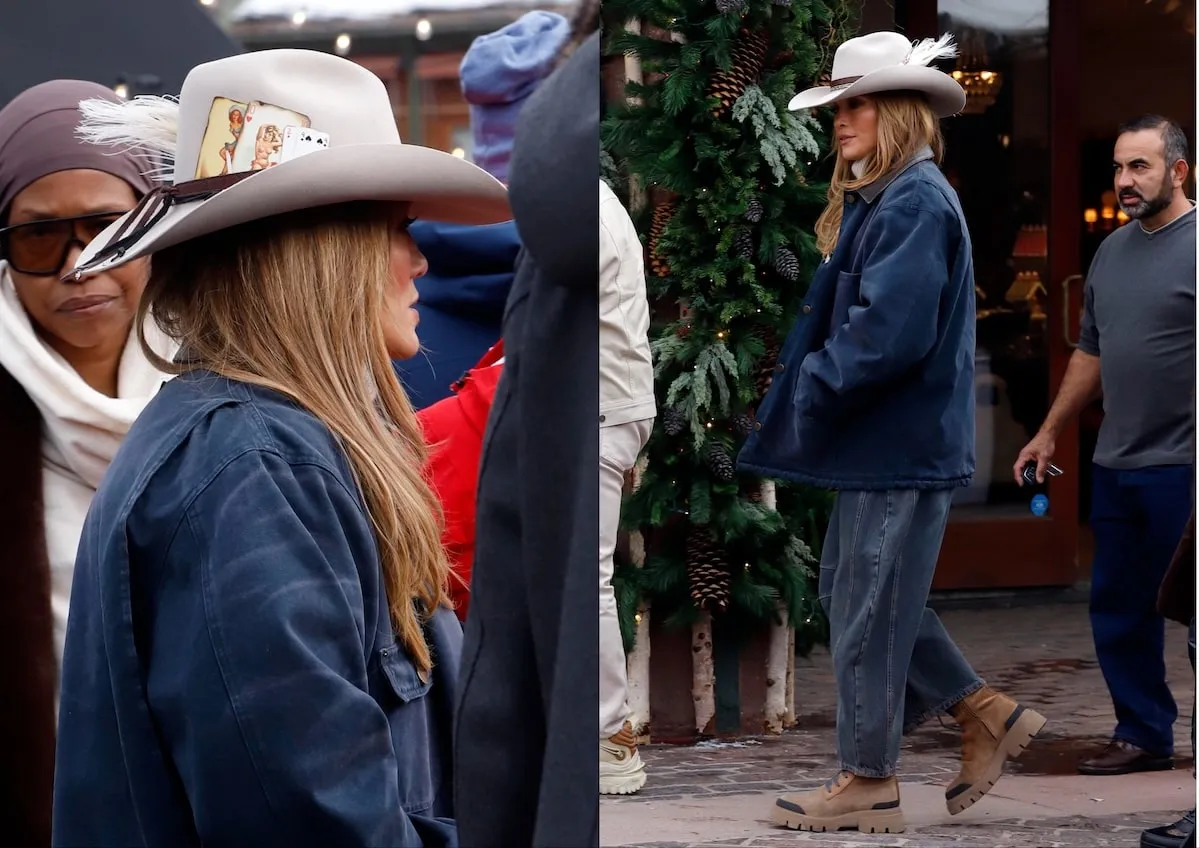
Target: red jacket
{"x": 453, "y": 430}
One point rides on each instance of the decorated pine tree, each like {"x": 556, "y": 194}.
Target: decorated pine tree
{"x": 719, "y": 176}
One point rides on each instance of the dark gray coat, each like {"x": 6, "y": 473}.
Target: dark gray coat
{"x": 527, "y": 740}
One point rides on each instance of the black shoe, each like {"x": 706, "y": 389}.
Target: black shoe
{"x": 1181, "y": 834}
{"x": 1121, "y": 757}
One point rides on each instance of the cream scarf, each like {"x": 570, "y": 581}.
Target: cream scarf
{"x": 81, "y": 431}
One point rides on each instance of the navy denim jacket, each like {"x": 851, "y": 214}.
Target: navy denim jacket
{"x": 874, "y": 386}
{"x": 231, "y": 676}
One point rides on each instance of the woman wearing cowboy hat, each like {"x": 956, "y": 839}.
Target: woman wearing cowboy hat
{"x": 885, "y": 343}
{"x": 260, "y": 649}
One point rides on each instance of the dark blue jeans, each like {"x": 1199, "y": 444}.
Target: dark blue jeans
{"x": 894, "y": 663}
{"x": 1138, "y": 518}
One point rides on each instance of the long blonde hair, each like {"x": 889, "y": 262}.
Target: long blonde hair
{"x": 905, "y": 125}
{"x": 296, "y": 304}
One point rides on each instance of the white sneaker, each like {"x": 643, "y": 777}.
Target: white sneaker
{"x": 622, "y": 771}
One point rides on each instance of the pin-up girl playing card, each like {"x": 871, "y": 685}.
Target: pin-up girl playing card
{"x": 261, "y": 141}
{"x": 225, "y": 121}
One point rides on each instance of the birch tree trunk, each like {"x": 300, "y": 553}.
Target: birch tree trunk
{"x": 633, "y": 73}
{"x": 790, "y": 686}
{"x": 703, "y": 678}
{"x": 778, "y": 673}
{"x": 638, "y": 673}
{"x": 633, "y": 65}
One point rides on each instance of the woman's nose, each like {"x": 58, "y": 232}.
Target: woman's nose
{"x": 420, "y": 263}
{"x": 74, "y": 248}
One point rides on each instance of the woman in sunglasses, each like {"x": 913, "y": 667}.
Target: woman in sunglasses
{"x": 71, "y": 383}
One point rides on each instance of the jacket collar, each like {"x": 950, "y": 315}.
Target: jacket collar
{"x": 872, "y": 191}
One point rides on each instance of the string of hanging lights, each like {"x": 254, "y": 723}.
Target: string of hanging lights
{"x": 343, "y": 42}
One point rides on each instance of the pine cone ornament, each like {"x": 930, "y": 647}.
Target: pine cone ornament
{"x": 742, "y": 424}
{"x": 674, "y": 421}
{"x": 743, "y": 245}
{"x": 719, "y": 462}
{"x": 764, "y": 378}
{"x": 658, "y": 223}
{"x": 726, "y": 6}
{"x": 746, "y": 63}
{"x": 754, "y": 211}
{"x": 766, "y": 365}
{"x": 787, "y": 265}
{"x": 708, "y": 571}
{"x": 782, "y": 59}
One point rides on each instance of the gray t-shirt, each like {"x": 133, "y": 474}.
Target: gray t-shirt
{"x": 1139, "y": 317}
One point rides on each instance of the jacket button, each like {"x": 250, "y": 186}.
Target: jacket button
{"x": 601, "y": 419}
{"x": 850, "y": 198}
{"x": 779, "y": 367}
{"x": 757, "y": 425}
{"x": 807, "y": 309}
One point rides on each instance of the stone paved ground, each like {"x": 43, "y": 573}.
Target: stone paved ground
{"x": 1041, "y": 655}
{"x": 1107, "y": 832}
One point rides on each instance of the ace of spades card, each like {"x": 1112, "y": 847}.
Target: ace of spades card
{"x": 261, "y": 142}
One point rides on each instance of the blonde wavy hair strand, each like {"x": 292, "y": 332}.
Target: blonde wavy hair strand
{"x": 296, "y": 304}
{"x": 905, "y": 124}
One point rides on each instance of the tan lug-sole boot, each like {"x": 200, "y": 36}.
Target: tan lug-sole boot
{"x": 995, "y": 728}
{"x": 847, "y": 802}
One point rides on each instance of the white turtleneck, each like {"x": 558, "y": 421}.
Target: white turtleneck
{"x": 81, "y": 431}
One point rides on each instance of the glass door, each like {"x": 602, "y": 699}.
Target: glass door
{"x": 1031, "y": 160}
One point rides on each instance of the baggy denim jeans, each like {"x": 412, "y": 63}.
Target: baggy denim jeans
{"x": 894, "y": 663}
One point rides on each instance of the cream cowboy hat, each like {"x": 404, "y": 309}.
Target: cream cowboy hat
{"x": 264, "y": 133}
{"x": 887, "y": 61}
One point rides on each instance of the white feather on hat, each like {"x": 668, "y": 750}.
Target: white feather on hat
{"x": 146, "y": 123}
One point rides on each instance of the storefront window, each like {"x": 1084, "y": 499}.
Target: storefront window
{"x": 997, "y": 158}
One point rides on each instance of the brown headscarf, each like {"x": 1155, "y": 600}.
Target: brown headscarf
{"x": 38, "y": 137}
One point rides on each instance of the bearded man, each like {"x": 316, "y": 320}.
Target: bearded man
{"x": 1137, "y": 346}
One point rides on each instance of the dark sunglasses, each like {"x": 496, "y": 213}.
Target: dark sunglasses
{"x": 40, "y": 248}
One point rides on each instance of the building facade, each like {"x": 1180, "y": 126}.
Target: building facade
{"x": 1031, "y": 158}
{"x": 414, "y": 46}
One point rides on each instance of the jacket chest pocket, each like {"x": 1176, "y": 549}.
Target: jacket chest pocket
{"x": 845, "y": 295}
{"x": 404, "y": 696}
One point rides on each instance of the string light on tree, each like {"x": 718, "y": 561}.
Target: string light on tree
{"x": 299, "y": 17}
{"x": 342, "y": 44}
{"x": 424, "y": 30}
